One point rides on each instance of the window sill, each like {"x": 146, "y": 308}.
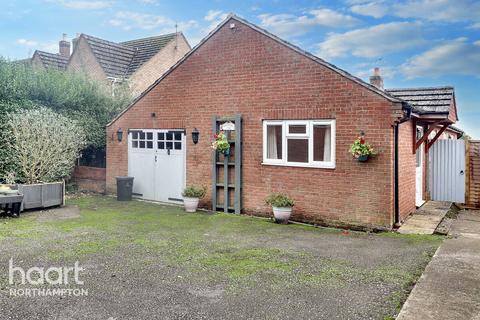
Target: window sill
{"x": 300, "y": 165}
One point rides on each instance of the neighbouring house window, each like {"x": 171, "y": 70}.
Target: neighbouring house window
{"x": 306, "y": 143}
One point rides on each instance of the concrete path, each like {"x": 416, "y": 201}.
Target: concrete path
{"x": 426, "y": 219}
{"x": 450, "y": 286}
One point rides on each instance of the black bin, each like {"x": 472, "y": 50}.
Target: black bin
{"x": 124, "y": 188}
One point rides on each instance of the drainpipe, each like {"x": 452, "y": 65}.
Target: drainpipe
{"x": 408, "y": 112}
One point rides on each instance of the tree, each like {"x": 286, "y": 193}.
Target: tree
{"x": 43, "y": 145}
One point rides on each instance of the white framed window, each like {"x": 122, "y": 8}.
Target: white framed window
{"x": 300, "y": 143}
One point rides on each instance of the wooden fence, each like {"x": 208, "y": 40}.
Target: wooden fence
{"x": 472, "y": 179}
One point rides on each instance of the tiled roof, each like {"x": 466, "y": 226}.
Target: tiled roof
{"x": 52, "y": 60}
{"x": 114, "y": 58}
{"x": 426, "y": 100}
{"x": 145, "y": 49}
{"x": 121, "y": 60}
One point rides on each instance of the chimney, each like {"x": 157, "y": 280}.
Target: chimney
{"x": 75, "y": 41}
{"x": 64, "y": 47}
{"x": 376, "y": 79}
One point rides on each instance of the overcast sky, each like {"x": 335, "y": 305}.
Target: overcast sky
{"x": 414, "y": 42}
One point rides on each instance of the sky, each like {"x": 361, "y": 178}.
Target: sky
{"x": 414, "y": 42}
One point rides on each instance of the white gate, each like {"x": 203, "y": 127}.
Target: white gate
{"x": 447, "y": 170}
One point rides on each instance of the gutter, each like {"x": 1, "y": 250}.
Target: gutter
{"x": 408, "y": 115}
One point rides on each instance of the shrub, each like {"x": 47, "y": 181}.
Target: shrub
{"x": 43, "y": 145}
{"x": 194, "y": 192}
{"x": 279, "y": 200}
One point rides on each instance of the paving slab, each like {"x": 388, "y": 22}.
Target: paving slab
{"x": 426, "y": 219}
{"x": 450, "y": 286}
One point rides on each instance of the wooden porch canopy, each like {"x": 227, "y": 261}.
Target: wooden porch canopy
{"x": 432, "y": 124}
{"x": 433, "y": 107}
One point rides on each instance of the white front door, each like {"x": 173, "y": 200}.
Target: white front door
{"x": 156, "y": 160}
{"x": 419, "y": 156}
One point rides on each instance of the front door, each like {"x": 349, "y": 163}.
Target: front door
{"x": 156, "y": 160}
{"x": 419, "y": 156}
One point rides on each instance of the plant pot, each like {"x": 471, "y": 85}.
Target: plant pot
{"x": 282, "y": 214}
{"x": 191, "y": 204}
{"x": 362, "y": 158}
{"x": 226, "y": 153}
{"x": 42, "y": 195}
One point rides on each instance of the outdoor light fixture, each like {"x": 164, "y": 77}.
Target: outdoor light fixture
{"x": 195, "y": 134}
{"x": 119, "y": 134}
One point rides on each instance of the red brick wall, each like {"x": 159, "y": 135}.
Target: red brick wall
{"x": 243, "y": 71}
{"x": 406, "y": 170}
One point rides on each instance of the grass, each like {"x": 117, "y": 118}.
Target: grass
{"x": 239, "y": 251}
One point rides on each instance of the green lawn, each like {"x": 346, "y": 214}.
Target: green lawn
{"x": 183, "y": 264}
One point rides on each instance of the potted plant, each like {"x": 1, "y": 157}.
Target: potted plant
{"x": 191, "y": 197}
{"x": 282, "y": 206}
{"x": 44, "y": 146}
{"x": 362, "y": 150}
{"x": 220, "y": 143}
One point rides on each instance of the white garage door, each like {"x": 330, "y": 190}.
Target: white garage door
{"x": 156, "y": 159}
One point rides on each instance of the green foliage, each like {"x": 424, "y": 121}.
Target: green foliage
{"x": 361, "y": 148}
{"x": 74, "y": 96}
{"x": 279, "y": 200}
{"x": 194, "y": 192}
{"x": 220, "y": 142}
{"x": 42, "y": 144}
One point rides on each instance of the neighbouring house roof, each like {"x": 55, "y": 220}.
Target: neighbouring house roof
{"x": 52, "y": 59}
{"x": 145, "y": 49}
{"x": 274, "y": 37}
{"x": 121, "y": 60}
{"x": 436, "y": 100}
{"x": 455, "y": 129}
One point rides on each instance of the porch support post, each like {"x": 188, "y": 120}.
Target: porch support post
{"x": 414, "y": 136}
{"x": 425, "y": 135}
{"x": 439, "y": 133}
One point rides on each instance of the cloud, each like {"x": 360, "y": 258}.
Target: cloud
{"x": 439, "y": 10}
{"x": 430, "y": 10}
{"x": 214, "y": 17}
{"x": 128, "y": 20}
{"x": 294, "y": 25}
{"x": 371, "y": 9}
{"x": 459, "y": 57}
{"x": 475, "y": 26}
{"x": 372, "y": 42}
{"x": 26, "y": 42}
{"x": 83, "y": 4}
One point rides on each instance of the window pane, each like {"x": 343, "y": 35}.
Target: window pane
{"x": 134, "y": 135}
{"x": 274, "y": 142}
{"x": 297, "y": 128}
{"x": 149, "y": 144}
{"x": 321, "y": 143}
{"x": 178, "y": 146}
{"x": 161, "y": 145}
{"x": 178, "y": 136}
{"x": 161, "y": 136}
{"x": 169, "y": 136}
{"x": 142, "y": 135}
{"x": 169, "y": 145}
{"x": 149, "y": 135}
{"x": 142, "y": 144}
{"x": 297, "y": 150}
{"x": 134, "y": 144}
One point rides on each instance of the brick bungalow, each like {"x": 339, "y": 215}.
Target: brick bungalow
{"x": 300, "y": 114}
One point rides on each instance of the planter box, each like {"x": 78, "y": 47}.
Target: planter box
{"x": 42, "y": 195}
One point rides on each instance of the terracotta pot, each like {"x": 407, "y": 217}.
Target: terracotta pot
{"x": 282, "y": 214}
{"x": 191, "y": 204}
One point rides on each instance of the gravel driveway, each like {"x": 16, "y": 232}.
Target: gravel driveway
{"x": 149, "y": 261}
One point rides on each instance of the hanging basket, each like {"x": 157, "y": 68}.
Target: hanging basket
{"x": 226, "y": 152}
{"x": 362, "y": 158}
